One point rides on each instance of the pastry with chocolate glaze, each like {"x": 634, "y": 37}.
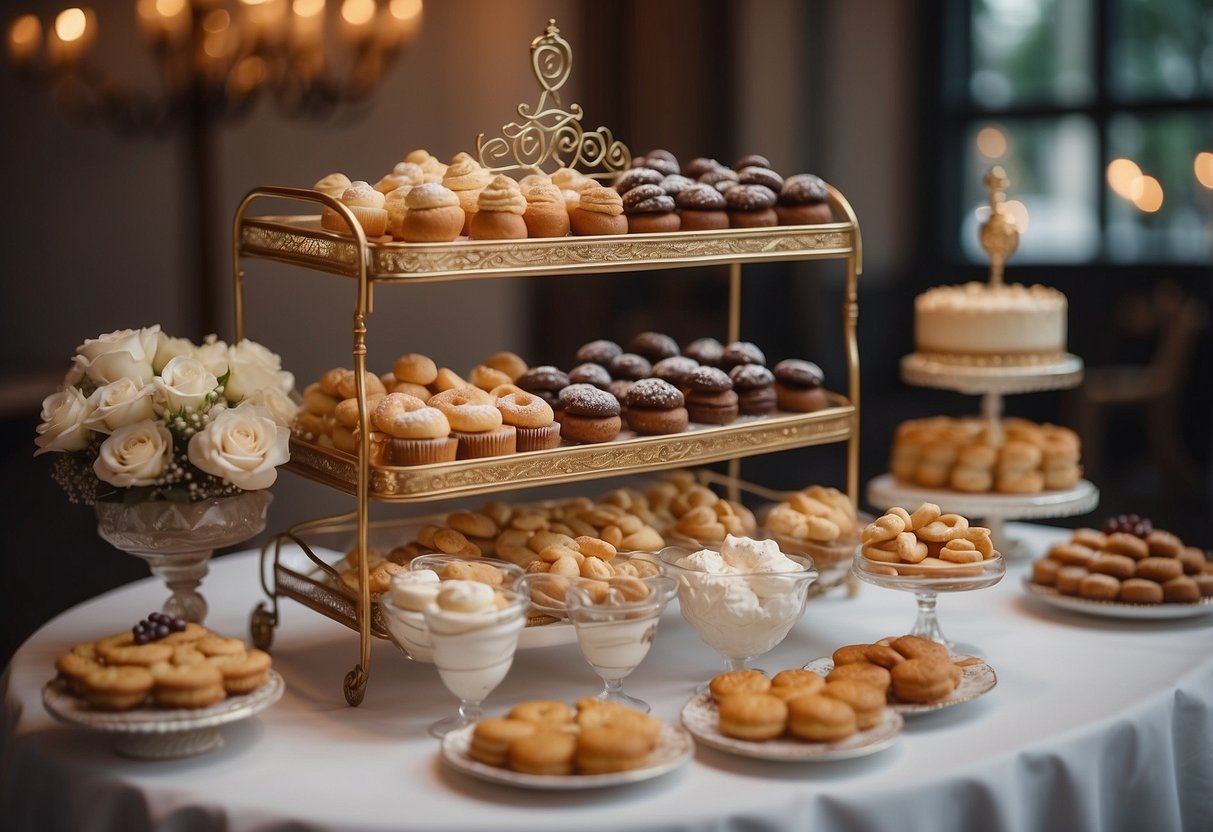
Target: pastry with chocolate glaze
{"x": 649, "y": 209}
{"x": 804, "y": 200}
{"x": 751, "y": 206}
{"x": 711, "y": 399}
{"x": 755, "y": 387}
{"x": 799, "y": 386}
{"x": 702, "y": 208}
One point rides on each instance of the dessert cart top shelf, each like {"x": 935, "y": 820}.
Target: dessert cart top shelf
{"x": 299, "y": 240}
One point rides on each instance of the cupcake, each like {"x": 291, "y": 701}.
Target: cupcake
{"x": 711, "y": 399}
{"x": 433, "y": 215}
{"x": 804, "y": 200}
{"x": 466, "y": 178}
{"x": 655, "y": 407}
{"x": 366, "y": 204}
{"x": 546, "y": 214}
{"x": 799, "y": 386}
{"x": 476, "y": 423}
{"x": 598, "y": 211}
{"x": 701, "y": 207}
{"x": 544, "y": 381}
{"x": 755, "y": 388}
{"x": 396, "y": 205}
{"x": 404, "y": 173}
{"x": 588, "y": 415}
{"x": 705, "y": 351}
{"x": 649, "y": 209}
{"x": 532, "y": 419}
{"x": 333, "y": 185}
{"x": 499, "y": 212}
{"x": 751, "y": 206}
{"x": 432, "y": 168}
{"x": 418, "y": 434}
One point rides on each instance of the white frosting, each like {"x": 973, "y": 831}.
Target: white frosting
{"x": 414, "y": 590}
{"x": 981, "y": 320}
{"x": 465, "y": 597}
{"x": 742, "y": 601}
{"x": 473, "y": 641}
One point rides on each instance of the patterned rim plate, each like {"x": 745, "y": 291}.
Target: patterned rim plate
{"x": 1115, "y": 609}
{"x": 699, "y": 715}
{"x": 673, "y": 750}
{"x": 75, "y": 711}
{"x": 976, "y": 680}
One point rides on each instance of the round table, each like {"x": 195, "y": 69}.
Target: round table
{"x": 1095, "y": 724}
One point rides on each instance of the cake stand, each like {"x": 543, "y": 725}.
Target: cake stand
{"x": 991, "y": 379}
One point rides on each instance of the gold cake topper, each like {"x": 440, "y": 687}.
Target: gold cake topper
{"x": 999, "y": 236}
{"x": 550, "y": 135}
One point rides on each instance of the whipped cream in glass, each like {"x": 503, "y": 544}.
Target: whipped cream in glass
{"x": 409, "y": 594}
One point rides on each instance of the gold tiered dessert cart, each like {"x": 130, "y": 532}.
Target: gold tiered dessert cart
{"x": 369, "y": 265}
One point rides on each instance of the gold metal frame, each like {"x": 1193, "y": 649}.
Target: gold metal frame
{"x": 300, "y": 241}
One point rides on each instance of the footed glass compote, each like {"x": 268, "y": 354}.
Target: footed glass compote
{"x": 177, "y": 539}
{"x": 926, "y": 582}
{"x": 745, "y": 612}
{"x": 403, "y": 608}
{"x": 616, "y": 623}
{"x": 473, "y": 631}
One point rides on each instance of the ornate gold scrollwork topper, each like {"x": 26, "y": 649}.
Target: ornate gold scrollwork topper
{"x": 999, "y": 236}
{"x": 550, "y": 137}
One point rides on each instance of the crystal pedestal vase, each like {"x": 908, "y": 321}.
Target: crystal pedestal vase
{"x": 178, "y": 539}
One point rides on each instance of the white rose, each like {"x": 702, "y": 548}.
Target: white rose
{"x": 125, "y": 353}
{"x": 243, "y": 446}
{"x": 253, "y": 368}
{"x": 63, "y": 428}
{"x": 168, "y": 348}
{"x": 135, "y": 454}
{"x": 213, "y": 353}
{"x": 119, "y": 403}
{"x": 281, "y": 406}
{"x": 183, "y": 384}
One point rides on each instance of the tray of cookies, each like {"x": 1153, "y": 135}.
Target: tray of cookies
{"x": 163, "y": 689}
{"x": 547, "y": 744}
{"x": 793, "y": 716}
{"x": 1126, "y": 569}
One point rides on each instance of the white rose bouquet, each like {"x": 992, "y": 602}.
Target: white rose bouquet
{"x": 144, "y": 416}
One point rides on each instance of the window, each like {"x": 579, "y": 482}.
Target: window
{"x": 1101, "y": 112}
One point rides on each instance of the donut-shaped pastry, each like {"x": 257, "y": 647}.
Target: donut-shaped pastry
{"x": 524, "y": 410}
{"x": 549, "y": 713}
{"x": 486, "y": 378}
{"x": 466, "y": 411}
{"x": 407, "y": 417}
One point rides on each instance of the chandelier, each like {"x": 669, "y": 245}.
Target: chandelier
{"x": 215, "y": 59}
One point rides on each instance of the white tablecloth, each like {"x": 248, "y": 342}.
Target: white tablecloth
{"x": 1095, "y": 724}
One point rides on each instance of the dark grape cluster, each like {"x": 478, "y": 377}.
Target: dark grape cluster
{"x": 156, "y": 626}
{"x": 1129, "y": 524}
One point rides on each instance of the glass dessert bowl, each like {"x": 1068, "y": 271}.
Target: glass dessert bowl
{"x": 616, "y": 622}
{"x": 743, "y": 599}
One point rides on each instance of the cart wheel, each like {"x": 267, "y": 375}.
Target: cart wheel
{"x": 261, "y": 627}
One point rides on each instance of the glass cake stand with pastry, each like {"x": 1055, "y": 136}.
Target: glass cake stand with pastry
{"x": 926, "y": 552}
{"x": 990, "y": 339}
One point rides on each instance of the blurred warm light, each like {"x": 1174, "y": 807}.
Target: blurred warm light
{"x": 247, "y": 75}
{"x": 307, "y": 8}
{"x": 1150, "y": 199}
{"x": 405, "y": 10}
{"x": 991, "y": 143}
{"x": 71, "y": 24}
{"x": 358, "y": 12}
{"x": 24, "y": 38}
{"x": 1123, "y": 176}
{"x": 1204, "y": 168}
{"x": 1019, "y": 212}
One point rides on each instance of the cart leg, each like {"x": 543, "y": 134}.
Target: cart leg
{"x": 261, "y": 626}
{"x": 355, "y": 685}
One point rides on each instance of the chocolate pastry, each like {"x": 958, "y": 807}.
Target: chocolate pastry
{"x": 698, "y": 167}
{"x": 676, "y": 184}
{"x": 637, "y": 176}
{"x": 711, "y": 399}
{"x": 654, "y": 346}
{"x": 598, "y": 352}
{"x": 741, "y": 352}
{"x": 590, "y": 373}
{"x": 544, "y": 381}
{"x": 704, "y": 350}
{"x": 675, "y": 369}
{"x": 752, "y": 160}
{"x": 630, "y": 366}
{"x": 760, "y": 176}
{"x": 755, "y": 386}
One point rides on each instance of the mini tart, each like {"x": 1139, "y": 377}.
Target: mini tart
{"x": 117, "y": 688}
{"x": 243, "y": 673}
{"x": 187, "y": 686}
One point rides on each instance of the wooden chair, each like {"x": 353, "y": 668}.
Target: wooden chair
{"x": 1156, "y": 388}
